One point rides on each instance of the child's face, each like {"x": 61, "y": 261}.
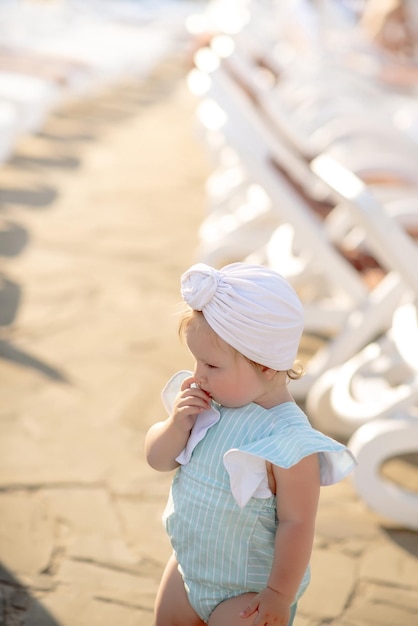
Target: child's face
{"x": 226, "y": 376}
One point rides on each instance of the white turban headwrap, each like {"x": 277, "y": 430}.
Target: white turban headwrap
{"x": 250, "y": 307}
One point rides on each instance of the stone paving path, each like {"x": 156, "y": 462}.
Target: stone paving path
{"x": 99, "y": 215}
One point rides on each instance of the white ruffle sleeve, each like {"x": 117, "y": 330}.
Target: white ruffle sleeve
{"x": 204, "y": 421}
{"x": 285, "y": 447}
{"x": 292, "y": 439}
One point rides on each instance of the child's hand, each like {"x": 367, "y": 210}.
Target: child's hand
{"x": 189, "y": 402}
{"x": 270, "y": 607}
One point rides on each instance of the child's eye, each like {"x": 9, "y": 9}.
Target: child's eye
{"x": 211, "y": 367}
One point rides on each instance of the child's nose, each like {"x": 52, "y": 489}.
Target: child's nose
{"x": 198, "y": 375}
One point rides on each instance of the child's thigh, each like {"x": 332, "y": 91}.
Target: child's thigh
{"x": 227, "y": 613}
{"x": 172, "y": 606}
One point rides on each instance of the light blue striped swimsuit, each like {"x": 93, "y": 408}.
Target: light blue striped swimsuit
{"x": 224, "y": 550}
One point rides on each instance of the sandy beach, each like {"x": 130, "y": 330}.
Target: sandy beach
{"x": 99, "y": 216}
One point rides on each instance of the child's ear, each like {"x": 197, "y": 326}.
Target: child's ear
{"x": 268, "y": 372}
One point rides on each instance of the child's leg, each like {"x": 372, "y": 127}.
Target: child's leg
{"x": 228, "y": 612}
{"x": 172, "y": 606}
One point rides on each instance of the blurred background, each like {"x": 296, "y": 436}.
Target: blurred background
{"x": 136, "y": 138}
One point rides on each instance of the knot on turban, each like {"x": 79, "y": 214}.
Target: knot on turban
{"x": 199, "y": 285}
{"x": 251, "y": 307}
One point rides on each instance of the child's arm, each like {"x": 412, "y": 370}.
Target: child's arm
{"x": 297, "y": 502}
{"x": 165, "y": 440}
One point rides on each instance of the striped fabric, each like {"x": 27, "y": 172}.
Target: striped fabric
{"x": 225, "y": 549}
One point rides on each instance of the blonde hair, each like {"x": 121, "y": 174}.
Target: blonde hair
{"x": 189, "y": 315}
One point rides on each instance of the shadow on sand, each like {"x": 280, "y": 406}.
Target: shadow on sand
{"x": 18, "y": 607}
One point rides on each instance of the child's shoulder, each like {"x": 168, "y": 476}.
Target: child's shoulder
{"x": 289, "y": 414}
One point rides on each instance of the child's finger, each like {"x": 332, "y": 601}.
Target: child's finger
{"x": 187, "y": 383}
{"x": 197, "y": 400}
{"x": 250, "y": 609}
